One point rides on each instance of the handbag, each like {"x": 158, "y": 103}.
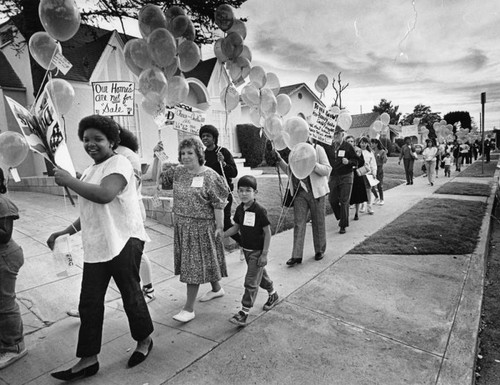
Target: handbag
{"x": 363, "y": 170}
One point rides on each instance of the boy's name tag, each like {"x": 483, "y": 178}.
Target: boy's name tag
{"x": 249, "y": 219}
{"x": 197, "y": 181}
{"x": 341, "y": 153}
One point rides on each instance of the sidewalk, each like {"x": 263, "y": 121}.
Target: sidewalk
{"x": 348, "y": 319}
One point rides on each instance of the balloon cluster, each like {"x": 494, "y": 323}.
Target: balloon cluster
{"x": 167, "y": 46}
{"x": 13, "y": 148}
{"x": 380, "y": 126}
{"x": 443, "y": 130}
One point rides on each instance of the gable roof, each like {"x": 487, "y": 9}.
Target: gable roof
{"x": 364, "y": 120}
{"x": 203, "y": 71}
{"x": 294, "y": 88}
{"x": 8, "y": 77}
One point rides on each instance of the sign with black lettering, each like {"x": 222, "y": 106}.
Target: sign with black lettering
{"x": 113, "y": 98}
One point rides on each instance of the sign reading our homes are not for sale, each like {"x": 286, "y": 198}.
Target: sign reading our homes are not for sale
{"x": 113, "y": 98}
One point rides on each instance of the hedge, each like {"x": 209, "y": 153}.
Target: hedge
{"x": 251, "y": 143}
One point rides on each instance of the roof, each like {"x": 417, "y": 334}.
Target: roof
{"x": 293, "y": 88}
{"x": 364, "y": 120}
{"x": 8, "y": 77}
{"x": 203, "y": 71}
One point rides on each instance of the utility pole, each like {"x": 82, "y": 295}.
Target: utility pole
{"x": 483, "y": 102}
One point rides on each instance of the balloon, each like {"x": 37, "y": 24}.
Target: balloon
{"x": 61, "y": 93}
{"x": 153, "y": 103}
{"x": 268, "y": 101}
{"x": 302, "y": 160}
{"x": 284, "y": 104}
{"x": 256, "y": 117}
{"x": 250, "y": 95}
{"x": 229, "y": 98}
{"x": 335, "y": 110}
{"x": 449, "y": 127}
{"x": 238, "y": 27}
{"x": 281, "y": 141}
{"x": 139, "y": 53}
{"x": 344, "y": 120}
{"x": 272, "y": 82}
{"x": 180, "y": 25}
{"x": 224, "y": 17}
{"x": 298, "y": 129}
{"x": 172, "y": 12}
{"x": 190, "y": 32}
{"x": 443, "y": 122}
{"x": 13, "y": 148}
{"x": 258, "y": 76}
{"x": 273, "y": 126}
{"x": 60, "y": 18}
{"x": 321, "y": 83}
{"x": 385, "y": 131}
{"x": 162, "y": 47}
{"x": 232, "y": 45}
{"x": 128, "y": 59}
{"x": 171, "y": 70}
{"x": 153, "y": 80}
{"x": 246, "y": 53}
{"x": 234, "y": 70}
{"x": 189, "y": 55}
{"x": 436, "y": 125}
{"x": 385, "y": 118}
{"x": 43, "y": 47}
{"x": 151, "y": 17}
{"x": 177, "y": 91}
{"x": 377, "y": 126}
{"x": 218, "y": 51}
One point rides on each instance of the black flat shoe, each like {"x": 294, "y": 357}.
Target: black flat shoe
{"x": 68, "y": 375}
{"x": 137, "y": 357}
{"x": 293, "y": 261}
{"x": 342, "y": 230}
{"x": 319, "y": 256}
{"x": 356, "y": 217}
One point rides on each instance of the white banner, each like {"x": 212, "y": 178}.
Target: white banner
{"x": 322, "y": 124}
{"x": 409, "y": 131}
{"x": 114, "y": 98}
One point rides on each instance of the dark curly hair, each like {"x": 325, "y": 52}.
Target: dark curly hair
{"x": 106, "y": 125}
{"x": 129, "y": 140}
{"x": 3, "y": 187}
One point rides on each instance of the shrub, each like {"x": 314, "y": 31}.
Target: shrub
{"x": 251, "y": 144}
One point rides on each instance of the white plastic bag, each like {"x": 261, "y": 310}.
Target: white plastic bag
{"x": 62, "y": 255}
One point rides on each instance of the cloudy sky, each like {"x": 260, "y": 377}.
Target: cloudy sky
{"x": 441, "y": 53}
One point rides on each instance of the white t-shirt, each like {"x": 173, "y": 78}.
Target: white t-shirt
{"x": 106, "y": 228}
{"x": 370, "y": 161}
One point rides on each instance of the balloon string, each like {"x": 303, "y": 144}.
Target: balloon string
{"x": 47, "y": 74}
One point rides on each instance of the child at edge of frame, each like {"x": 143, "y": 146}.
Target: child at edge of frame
{"x": 250, "y": 220}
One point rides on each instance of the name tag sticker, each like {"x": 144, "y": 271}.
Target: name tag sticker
{"x": 197, "y": 181}
{"x": 341, "y": 153}
{"x": 249, "y": 219}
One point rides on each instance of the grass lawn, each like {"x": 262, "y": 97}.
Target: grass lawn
{"x": 432, "y": 226}
{"x": 457, "y": 188}
{"x": 479, "y": 169}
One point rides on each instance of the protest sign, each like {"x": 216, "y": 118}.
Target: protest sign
{"x": 409, "y": 131}
{"x": 113, "y": 98}
{"x": 181, "y": 118}
{"x": 322, "y": 124}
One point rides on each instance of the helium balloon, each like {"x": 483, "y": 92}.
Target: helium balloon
{"x": 129, "y": 61}
{"x": 179, "y": 25}
{"x": 256, "y": 117}
{"x": 321, "y": 83}
{"x": 258, "y": 76}
{"x": 162, "y": 47}
{"x": 335, "y": 110}
{"x": 272, "y": 82}
{"x": 234, "y": 70}
{"x": 151, "y": 17}
{"x": 250, "y": 95}
{"x": 60, "y": 18}
{"x": 284, "y": 104}
{"x": 61, "y": 93}
{"x": 238, "y": 27}
{"x": 171, "y": 70}
{"x": 385, "y": 118}
{"x": 443, "y": 122}
{"x": 298, "y": 129}
{"x": 43, "y": 48}
{"x": 281, "y": 141}
{"x": 153, "y": 80}
{"x": 246, "y": 53}
{"x": 232, "y": 45}
{"x": 177, "y": 91}
{"x": 344, "y": 120}
{"x": 378, "y": 125}
{"x": 436, "y": 125}
{"x": 153, "y": 103}
{"x": 273, "y": 125}
{"x": 385, "y": 131}
{"x": 13, "y": 148}
{"x": 224, "y": 17}
{"x": 268, "y": 101}
{"x": 218, "y": 51}
{"x": 189, "y": 55}
{"x": 172, "y": 12}
{"x": 139, "y": 53}
{"x": 302, "y": 160}
{"x": 229, "y": 98}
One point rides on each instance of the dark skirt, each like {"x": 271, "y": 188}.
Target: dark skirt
{"x": 358, "y": 193}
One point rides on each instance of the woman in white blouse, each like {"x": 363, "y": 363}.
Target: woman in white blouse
{"x": 430, "y": 154}
{"x": 371, "y": 162}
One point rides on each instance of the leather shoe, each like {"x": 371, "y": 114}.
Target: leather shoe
{"x": 319, "y": 256}
{"x": 293, "y": 261}
{"x": 342, "y": 230}
{"x": 137, "y": 357}
{"x": 68, "y": 375}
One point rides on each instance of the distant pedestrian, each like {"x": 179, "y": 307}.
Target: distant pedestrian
{"x": 343, "y": 159}
{"x": 371, "y": 163}
{"x": 12, "y": 346}
{"x": 359, "y": 194}
{"x": 380, "y": 154}
{"x": 487, "y": 150}
{"x": 408, "y": 155}
{"x": 429, "y": 154}
{"x": 251, "y": 222}
{"x": 447, "y": 165}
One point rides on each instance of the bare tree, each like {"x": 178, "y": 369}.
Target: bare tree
{"x": 338, "y": 91}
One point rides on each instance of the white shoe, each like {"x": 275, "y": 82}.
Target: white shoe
{"x": 362, "y": 209}
{"x": 73, "y": 313}
{"x": 184, "y": 316}
{"x": 209, "y": 295}
{"x": 376, "y": 201}
{"x": 381, "y": 203}
{"x": 7, "y": 358}
{"x": 370, "y": 211}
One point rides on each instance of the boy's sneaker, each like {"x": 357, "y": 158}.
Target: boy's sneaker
{"x": 7, "y": 358}
{"x": 381, "y": 203}
{"x": 149, "y": 294}
{"x": 239, "y": 318}
{"x": 271, "y": 301}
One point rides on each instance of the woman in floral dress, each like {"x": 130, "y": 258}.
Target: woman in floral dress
{"x": 200, "y": 195}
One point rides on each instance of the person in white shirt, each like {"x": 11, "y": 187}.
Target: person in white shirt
{"x": 429, "y": 154}
{"x": 371, "y": 162}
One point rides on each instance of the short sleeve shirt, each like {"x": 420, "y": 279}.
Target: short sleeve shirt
{"x": 106, "y": 228}
{"x": 252, "y": 222}
{"x": 8, "y": 210}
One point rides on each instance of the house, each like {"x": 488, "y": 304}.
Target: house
{"x": 361, "y": 124}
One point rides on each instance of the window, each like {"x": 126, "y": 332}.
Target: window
{"x": 299, "y": 95}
